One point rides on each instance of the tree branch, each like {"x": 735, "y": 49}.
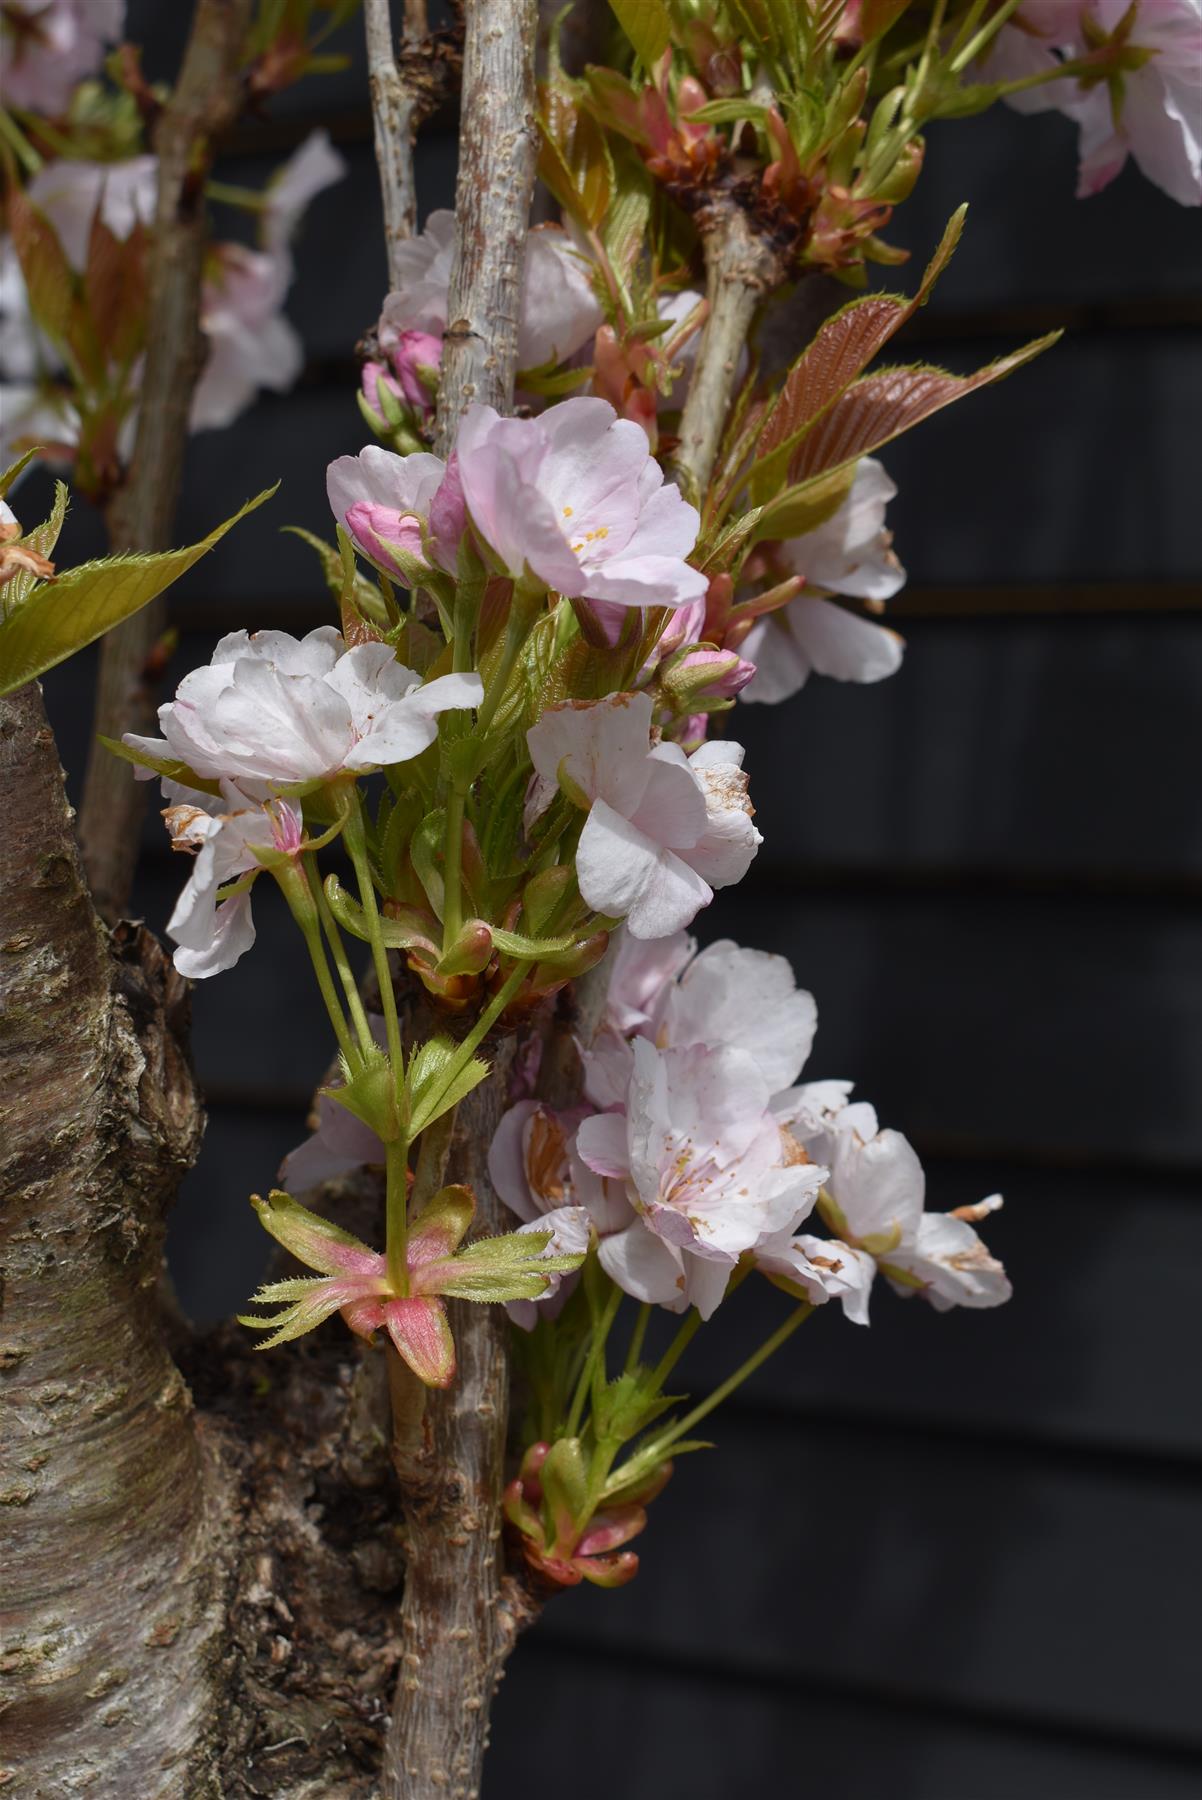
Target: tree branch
{"x": 742, "y": 268}
{"x": 460, "y": 1614}
{"x": 498, "y": 145}
{"x": 205, "y": 102}
{"x": 397, "y": 107}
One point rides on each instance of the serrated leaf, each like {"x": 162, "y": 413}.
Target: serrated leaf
{"x": 803, "y": 508}
{"x": 574, "y": 157}
{"x": 63, "y": 615}
{"x": 436, "y": 1084}
{"x": 17, "y": 589}
{"x": 880, "y": 407}
{"x": 625, "y": 226}
{"x": 49, "y": 279}
{"x": 14, "y": 471}
{"x": 647, "y": 25}
{"x": 839, "y": 352}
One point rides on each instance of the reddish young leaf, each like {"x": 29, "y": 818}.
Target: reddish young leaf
{"x": 841, "y": 350}
{"x": 48, "y": 274}
{"x": 881, "y": 406}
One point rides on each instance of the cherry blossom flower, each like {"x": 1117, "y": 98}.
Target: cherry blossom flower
{"x": 537, "y": 1172}
{"x": 663, "y": 831}
{"x": 1151, "y": 109}
{"x": 387, "y": 502}
{"x": 725, "y": 998}
{"x": 354, "y": 1280}
{"x": 575, "y": 499}
{"x": 284, "y": 711}
{"x": 708, "y": 1171}
{"x": 850, "y": 555}
{"x": 223, "y": 834}
{"x": 560, "y": 311}
{"x": 47, "y": 47}
{"x": 251, "y": 345}
{"x": 873, "y": 1203}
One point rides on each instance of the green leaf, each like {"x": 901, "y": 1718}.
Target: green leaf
{"x": 804, "y": 508}
{"x": 531, "y": 949}
{"x": 364, "y": 593}
{"x": 370, "y": 1094}
{"x": 647, "y": 25}
{"x": 14, "y": 470}
{"x": 436, "y": 1084}
{"x": 63, "y": 615}
{"x": 168, "y": 767}
{"x": 42, "y": 538}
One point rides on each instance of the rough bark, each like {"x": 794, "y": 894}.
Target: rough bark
{"x": 461, "y": 1615}
{"x": 112, "y": 1499}
{"x": 205, "y": 102}
{"x": 498, "y": 144}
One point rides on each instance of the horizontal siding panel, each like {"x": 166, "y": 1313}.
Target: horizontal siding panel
{"x": 1050, "y": 1594}
{"x": 1054, "y": 1028}
{"x": 631, "y": 1728}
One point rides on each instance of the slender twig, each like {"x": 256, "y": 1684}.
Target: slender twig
{"x": 205, "y": 102}
{"x": 395, "y": 116}
{"x": 497, "y": 152}
{"x": 459, "y": 1616}
{"x": 742, "y": 268}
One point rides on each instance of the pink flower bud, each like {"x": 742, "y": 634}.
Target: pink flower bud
{"x": 416, "y": 358}
{"x": 702, "y": 675}
{"x": 378, "y": 528}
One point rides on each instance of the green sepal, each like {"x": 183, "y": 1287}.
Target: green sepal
{"x": 65, "y": 614}
{"x": 564, "y": 1481}
{"x": 370, "y": 1093}
{"x": 435, "y": 1085}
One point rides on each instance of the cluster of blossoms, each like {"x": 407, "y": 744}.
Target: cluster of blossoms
{"x": 250, "y": 344}
{"x": 537, "y": 657}
{"x": 695, "y": 1151}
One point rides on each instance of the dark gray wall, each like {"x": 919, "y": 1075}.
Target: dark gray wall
{"x": 952, "y": 1558}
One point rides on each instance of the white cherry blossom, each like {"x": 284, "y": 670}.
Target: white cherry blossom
{"x": 663, "y": 831}
{"x": 850, "y": 555}
{"x": 708, "y": 1171}
{"x": 284, "y": 711}
{"x": 223, "y": 835}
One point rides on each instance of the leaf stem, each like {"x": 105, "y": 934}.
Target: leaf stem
{"x": 350, "y": 986}
{"x": 291, "y": 882}
{"x": 637, "y": 1335}
{"x": 657, "y": 1448}
{"x": 356, "y": 843}
{"x": 594, "y": 1362}
{"x": 396, "y": 1166}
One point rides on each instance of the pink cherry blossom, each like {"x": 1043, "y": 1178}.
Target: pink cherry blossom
{"x": 708, "y": 1170}
{"x": 223, "y": 835}
{"x": 663, "y": 830}
{"x": 850, "y": 555}
{"x": 575, "y": 500}
{"x": 535, "y": 1167}
{"x": 47, "y": 47}
{"x": 284, "y": 711}
{"x": 384, "y": 500}
{"x": 413, "y": 360}
{"x": 251, "y": 345}
{"x": 1153, "y": 110}
{"x": 560, "y": 311}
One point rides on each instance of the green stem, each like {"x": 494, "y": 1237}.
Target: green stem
{"x": 637, "y": 1336}
{"x": 979, "y": 39}
{"x": 676, "y": 1349}
{"x": 350, "y": 986}
{"x": 396, "y": 1164}
{"x": 295, "y": 888}
{"x": 356, "y": 843}
{"x": 594, "y": 1362}
{"x": 452, "y": 870}
{"x": 654, "y": 1452}
{"x": 24, "y": 151}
